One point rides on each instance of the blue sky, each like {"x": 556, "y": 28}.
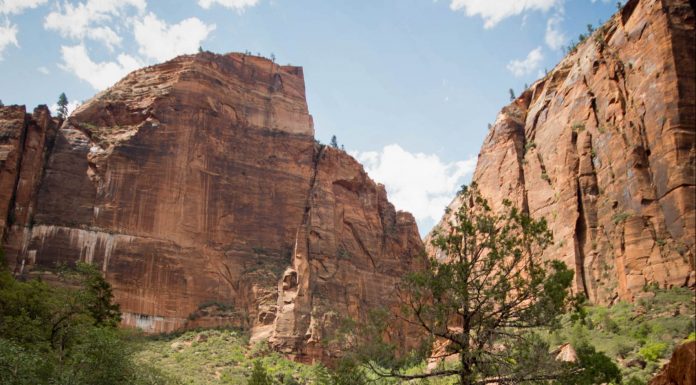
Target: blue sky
{"x": 408, "y": 86}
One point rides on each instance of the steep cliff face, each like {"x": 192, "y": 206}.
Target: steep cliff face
{"x": 25, "y": 141}
{"x": 198, "y": 188}
{"x": 603, "y": 147}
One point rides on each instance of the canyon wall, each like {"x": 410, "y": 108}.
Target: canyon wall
{"x": 603, "y": 147}
{"x": 198, "y": 188}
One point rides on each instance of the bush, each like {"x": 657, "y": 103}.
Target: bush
{"x": 653, "y": 351}
{"x": 259, "y": 376}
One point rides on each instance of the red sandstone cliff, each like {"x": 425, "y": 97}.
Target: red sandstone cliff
{"x": 681, "y": 369}
{"x": 198, "y": 188}
{"x": 604, "y": 148}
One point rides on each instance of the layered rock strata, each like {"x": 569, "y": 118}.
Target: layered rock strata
{"x": 198, "y": 188}
{"x": 603, "y": 147}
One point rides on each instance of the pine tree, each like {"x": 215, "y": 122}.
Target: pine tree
{"x": 486, "y": 304}
{"x": 512, "y": 95}
{"x": 62, "y": 106}
{"x": 334, "y": 142}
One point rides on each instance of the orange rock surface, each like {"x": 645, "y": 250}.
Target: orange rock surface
{"x": 198, "y": 188}
{"x": 603, "y": 147}
{"x": 681, "y": 369}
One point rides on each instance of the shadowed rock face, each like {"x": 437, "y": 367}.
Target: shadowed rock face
{"x": 603, "y": 147}
{"x": 198, "y": 188}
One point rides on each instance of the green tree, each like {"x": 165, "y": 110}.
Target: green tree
{"x": 1, "y": 105}
{"x": 512, "y": 95}
{"x": 20, "y": 366}
{"x": 348, "y": 372}
{"x": 334, "y": 141}
{"x": 595, "y": 368}
{"x": 485, "y": 303}
{"x": 98, "y": 296}
{"x": 62, "y": 106}
{"x": 55, "y": 335}
{"x": 259, "y": 376}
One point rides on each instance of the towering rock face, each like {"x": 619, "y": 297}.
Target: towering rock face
{"x": 603, "y": 147}
{"x": 198, "y": 188}
{"x": 25, "y": 141}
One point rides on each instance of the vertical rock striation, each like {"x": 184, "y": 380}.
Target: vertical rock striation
{"x": 198, "y": 188}
{"x": 603, "y": 147}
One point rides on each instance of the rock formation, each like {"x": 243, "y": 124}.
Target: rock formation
{"x": 681, "y": 369}
{"x": 198, "y": 188}
{"x": 603, "y": 147}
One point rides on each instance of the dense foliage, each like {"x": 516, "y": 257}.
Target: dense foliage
{"x": 65, "y": 334}
{"x": 640, "y": 336}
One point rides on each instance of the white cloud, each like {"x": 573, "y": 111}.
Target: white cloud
{"x": 18, "y": 6}
{"x": 72, "y": 106}
{"x": 494, "y": 11}
{"x": 528, "y": 65}
{"x": 88, "y": 20}
{"x": 555, "y": 38}
{"x": 43, "y": 70}
{"x": 8, "y": 35}
{"x": 99, "y": 75}
{"x": 419, "y": 183}
{"x": 238, "y": 5}
{"x": 160, "y": 41}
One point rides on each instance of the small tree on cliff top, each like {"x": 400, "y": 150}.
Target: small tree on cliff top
{"x": 484, "y": 304}
{"x": 62, "y": 106}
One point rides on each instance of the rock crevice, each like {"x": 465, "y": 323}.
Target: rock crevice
{"x": 609, "y": 153}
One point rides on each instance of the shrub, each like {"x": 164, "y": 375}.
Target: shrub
{"x": 578, "y": 127}
{"x": 653, "y": 351}
{"x": 259, "y": 376}
{"x": 691, "y": 337}
{"x": 620, "y": 217}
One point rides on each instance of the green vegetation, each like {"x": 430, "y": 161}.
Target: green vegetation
{"x": 343, "y": 253}
{"x": 62, "y": 106}
{"x": 259, "y": 376}
{"x": 624, "y": 332}
{"x": 59, "y": 335}
{"x": 578, "y": 127}
{"x": 573, "y": 46}
{"x": 653, "y": 351}
{"x": 545, "y": 177}
{"x": 620, "y": 217}
{"x": 640, "y": 336}
{"x": 221, "y": 356}
{"x": 487, "y": 305}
